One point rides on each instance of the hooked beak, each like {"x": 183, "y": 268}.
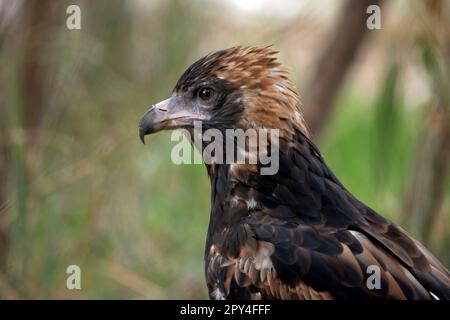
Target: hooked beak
{"x": 171, "y": 113}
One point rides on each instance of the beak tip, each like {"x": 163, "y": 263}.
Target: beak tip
{"x": 142, "y": 136}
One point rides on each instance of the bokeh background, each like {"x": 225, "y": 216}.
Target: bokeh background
{"x": 78, "y": 187}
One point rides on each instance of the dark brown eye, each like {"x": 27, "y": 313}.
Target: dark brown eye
{"x": 205, "y": 93}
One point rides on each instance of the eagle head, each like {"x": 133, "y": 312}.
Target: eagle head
{"x": 239, "y": 87}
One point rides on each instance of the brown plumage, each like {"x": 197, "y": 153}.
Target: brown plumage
{"x": 297, "y": 234}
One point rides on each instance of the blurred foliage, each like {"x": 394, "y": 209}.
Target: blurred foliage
{"x": 87, "y": 192}
{"x": 387, "y": 115}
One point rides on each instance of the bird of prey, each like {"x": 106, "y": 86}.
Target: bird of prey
{"x": 298, "y": 233}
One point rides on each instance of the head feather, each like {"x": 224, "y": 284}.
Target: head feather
{"x": 269, "y": 97}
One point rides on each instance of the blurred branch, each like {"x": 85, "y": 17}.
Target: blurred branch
{"x": 22, "y": 119}
{"x": 425, "y": 196}
{"x": 7, "y": 13}
{"x": 4, "y": 239}
{"x": 334, "y": 62}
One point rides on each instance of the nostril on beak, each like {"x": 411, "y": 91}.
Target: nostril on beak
{"x": 161, "y": 106}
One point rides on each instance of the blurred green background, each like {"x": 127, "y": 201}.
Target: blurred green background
{"x": 78, "y": 187}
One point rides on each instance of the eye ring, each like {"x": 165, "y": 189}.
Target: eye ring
{"x": 206, "y": 93}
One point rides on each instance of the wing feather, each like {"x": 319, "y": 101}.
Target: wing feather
{"x": 306, "y": 237}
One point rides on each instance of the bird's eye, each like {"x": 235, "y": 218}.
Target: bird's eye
{"x": 206, "y": 93}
